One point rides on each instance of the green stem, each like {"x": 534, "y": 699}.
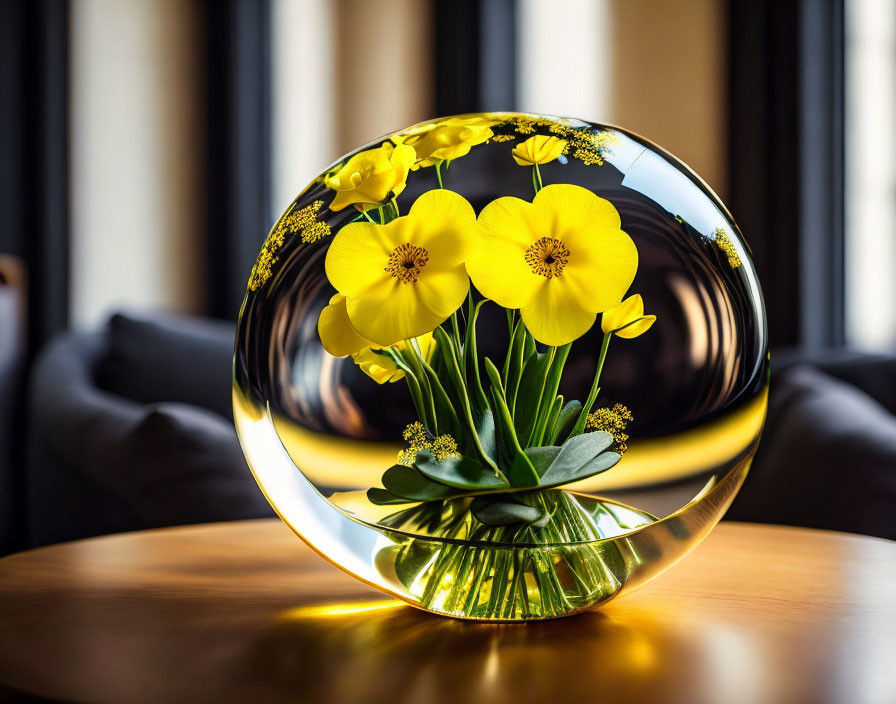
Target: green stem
{"x": 413, "y": 386}
{"x": 549, "y": 395}
{"x": 367, "y": 215}
{"x": 470, "y": 357}
{"x": 539, "y": 184}
{"x": 454, "y": 369}
{"x": 416, "y": 361}
{"x": 501, "y": 409}
{"x": 394, "y": 204}
{"x": 436, "y": 384}
{"x": 579, "y": 427}
{"x": 439, "y": 173}
{"x": 455, "y": 333}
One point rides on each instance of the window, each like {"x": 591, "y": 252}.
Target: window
{"x": 871, "y": 173}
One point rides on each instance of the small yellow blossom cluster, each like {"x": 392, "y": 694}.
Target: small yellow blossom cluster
{"x": 303, "y": 221}
{"x": 613, "y": 421}
{"x": 584, "y": 145}
{"x": 504, "y": 138}
{"x": 416, "y": 436}
{"x": 527, "y": 125}
{"x": 724, "y": 243}
{"x": 261, "y": 272}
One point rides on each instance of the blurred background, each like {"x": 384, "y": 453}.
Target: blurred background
{"x": 147, "y": 146}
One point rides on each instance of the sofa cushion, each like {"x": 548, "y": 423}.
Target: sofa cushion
{"x": 100, "y": 463}
{"x": 169, "y": 358}
{"x": 182, "y": 464}
{"x": 827, "y": 459}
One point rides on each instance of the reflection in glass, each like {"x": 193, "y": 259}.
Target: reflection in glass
{"x": 319, "y": 432}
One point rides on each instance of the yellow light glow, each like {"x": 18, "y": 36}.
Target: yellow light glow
{"x": 338, "y": 609}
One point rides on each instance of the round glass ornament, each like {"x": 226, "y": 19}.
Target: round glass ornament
{"x": 502, "y": 366}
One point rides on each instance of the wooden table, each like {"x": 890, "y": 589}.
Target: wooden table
{"x": 245, "y": 612}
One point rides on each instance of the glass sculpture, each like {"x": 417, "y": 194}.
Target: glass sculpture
{"x": 502, "y": 366}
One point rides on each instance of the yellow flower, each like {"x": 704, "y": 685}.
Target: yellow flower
{"x": 627, "y": 319}
{"x": 538, "y": 149}
{"x": 404, "y": 278}
{"x": 560, "y": 259}
{"x": 336, "y": 333}
{"x": 340, "y": 339}
{"x": 381, "y": 367}
{"x": 370, "y": 178}
{"x": 447, "y": 139}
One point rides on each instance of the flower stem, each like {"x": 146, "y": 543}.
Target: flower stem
{"x": 579, "y": 427}
{"x": 439, "y": 173}
{"x": 416, "y": 362}
{"x": 470, "y": 359}
{"x": 413, "y": 386}
{"x": 538, "y": 184}
{"x": 457, "y": 376}
{"x": 367, "y": 215}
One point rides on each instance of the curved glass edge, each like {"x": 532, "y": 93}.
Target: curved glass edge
{"x": 357, "y": 547}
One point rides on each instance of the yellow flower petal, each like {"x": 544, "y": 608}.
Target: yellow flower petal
{"x": 513, "y": 220}
{"x": 442, "y": 292}
{"x": 356, "y": 257}
{"x": 377, "y": 366}
{"x": 574, "y": 213}
{"x": 382, "y": 368}
{"x": 447, "y": 227}
{"x": 638, "y": 327}
{"x": 499, "y": 271}
{"x": 553, "y": 319}
{"x": 621, "y": 315}
{"x": 371, "y": 177}
{"x": 398, "y": 316}
{"x": 337, "y": 335}
{"x": 507, "y": 227}
{"x": 447, "y": 139}
{"x": 627, "y": 319}
{"x": 538, "y": 149}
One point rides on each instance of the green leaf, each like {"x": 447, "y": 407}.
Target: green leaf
{"x": 522, "y": 473}
{"x": 381, "y": 497}
{"x": 470, "y": 359}
{"x": 485, "y": 429}
{"x": 411, "y": 484}
{"x": 529, "y": 395}
{"x": 542, "y": 457}
{"x": 567, "y": 418}
{"x": 514, "y": 365}
{"x": 556, "y": 407}
{"x": 502, "y": 511}
{"x": 580, "y": 457}
{"x": 465, "y": 409}
{"x": 459, "y": 472}
{"x": 551, "y": 385}
{"x": 530, "y": 349}
{"x": 411, "y": 560}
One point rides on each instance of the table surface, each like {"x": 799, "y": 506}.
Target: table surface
{"x": 246, "y": 612}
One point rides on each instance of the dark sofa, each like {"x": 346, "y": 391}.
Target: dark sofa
{"x": 131, "y": 427}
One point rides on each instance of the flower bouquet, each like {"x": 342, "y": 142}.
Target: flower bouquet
{"x": 437, "y": 354}
{"x": 494, "y": 443}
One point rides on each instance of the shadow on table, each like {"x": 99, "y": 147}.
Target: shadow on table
{"x": 386, "y": 651}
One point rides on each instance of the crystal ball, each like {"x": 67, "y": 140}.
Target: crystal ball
{"x": 502, "y": 366}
